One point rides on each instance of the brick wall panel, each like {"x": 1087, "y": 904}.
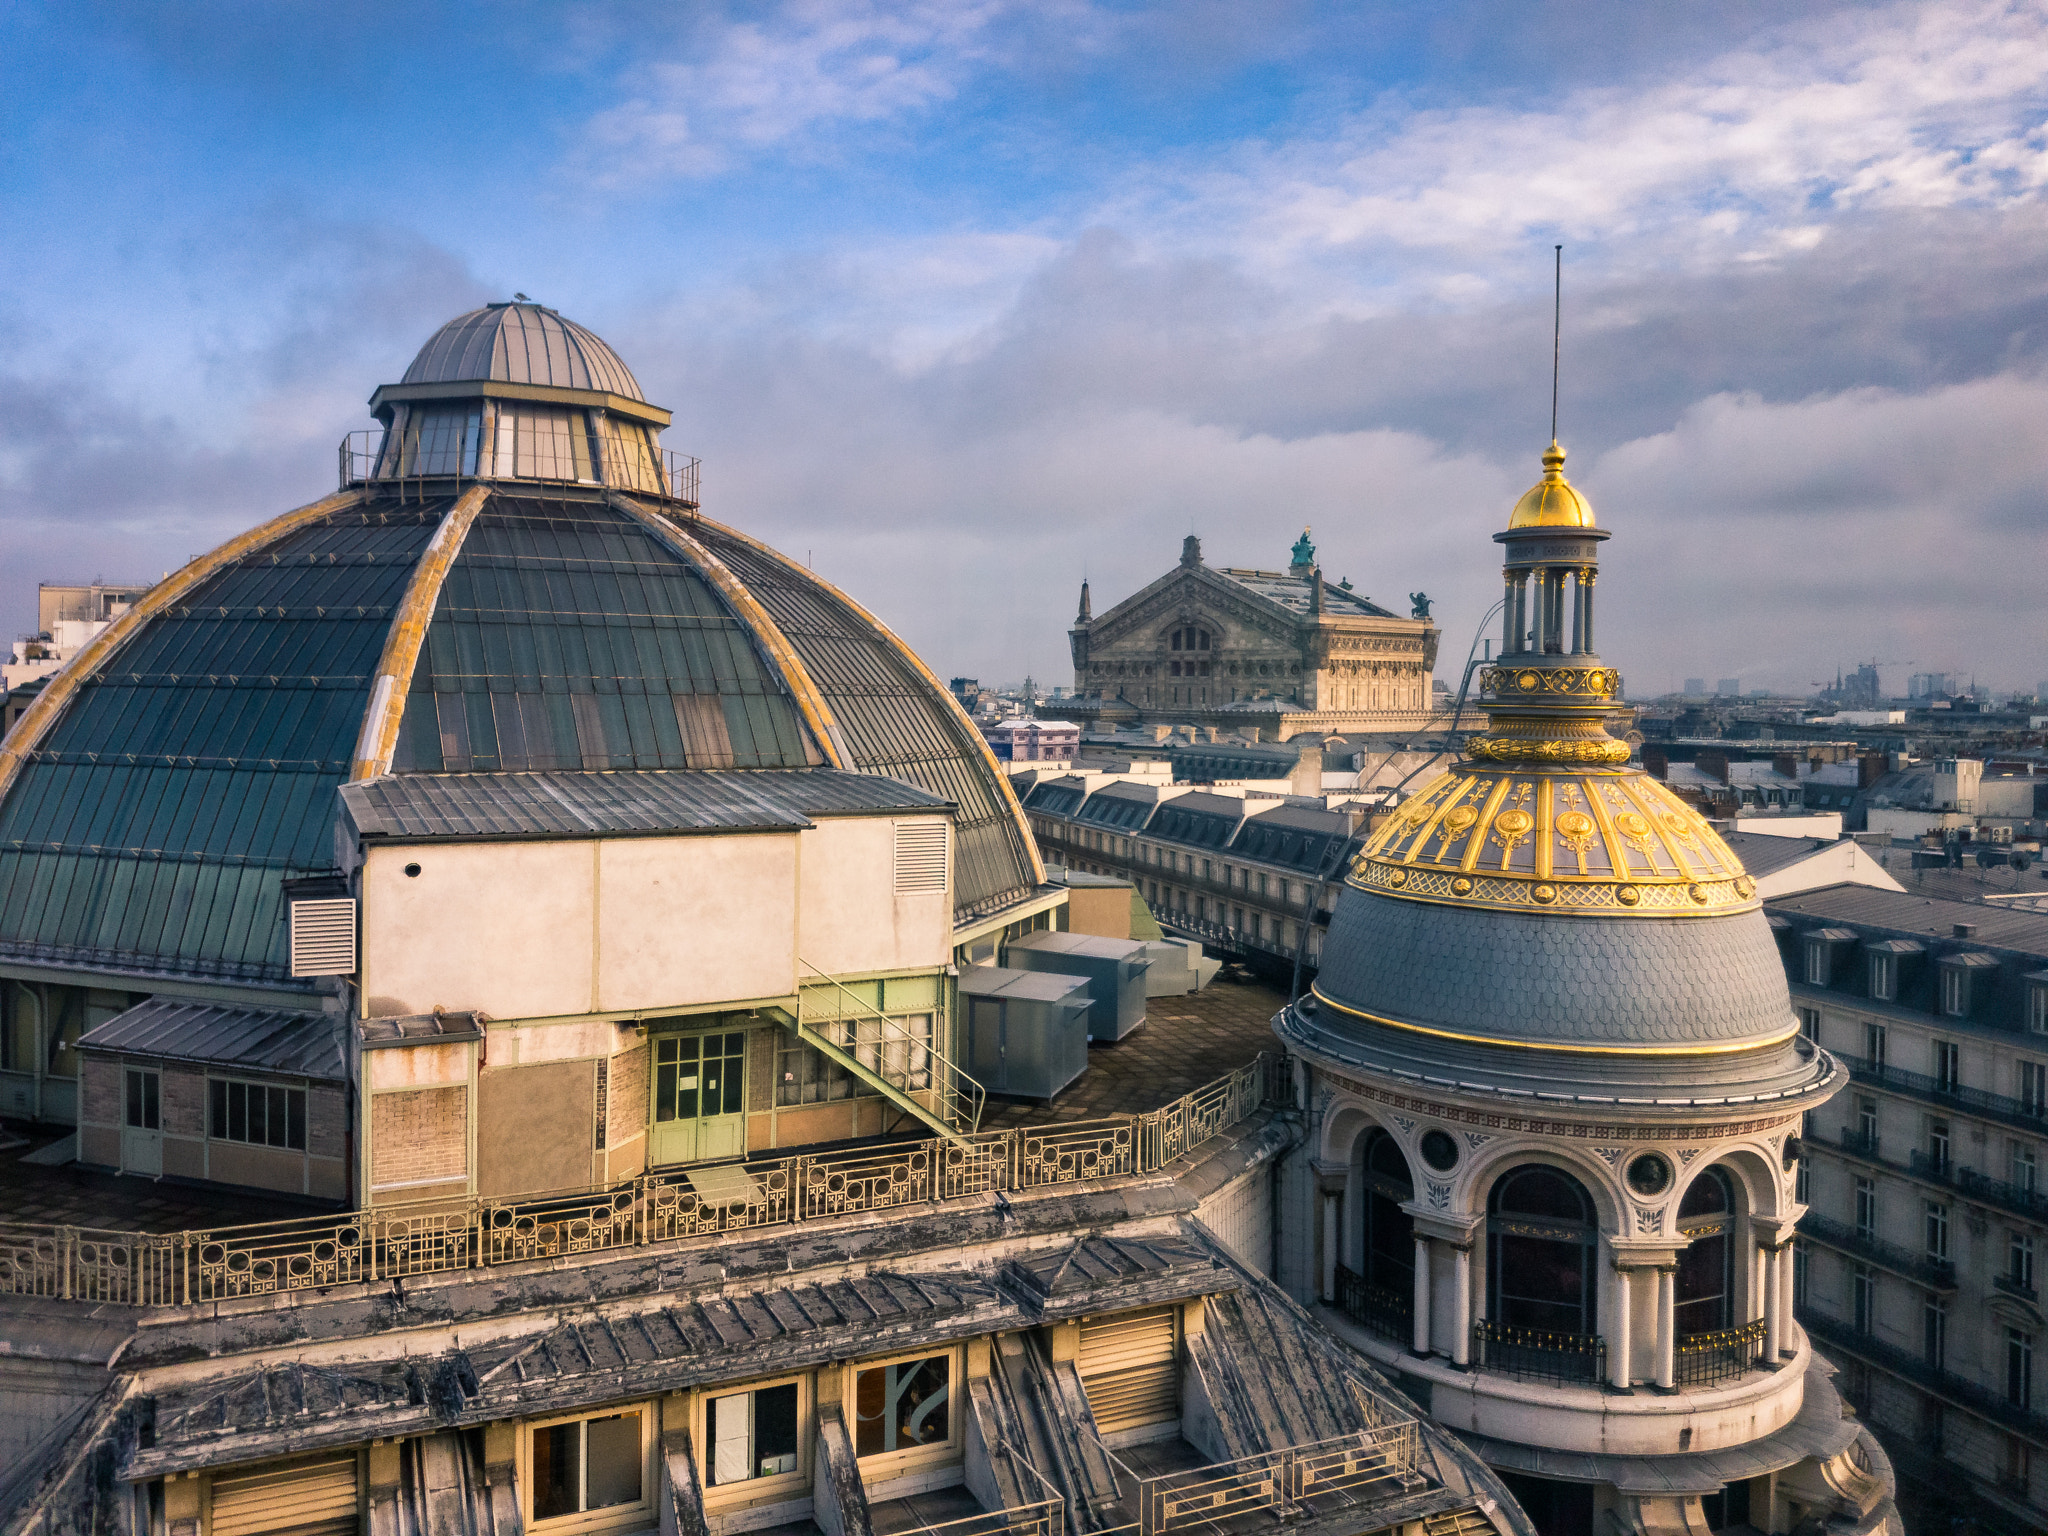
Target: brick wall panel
{"x": 626, "y": 1097}
{"x": 327, "y": 1122}
{"x": 418, "y": 1136}
{"x": 101, "y": 1091}
{"x": 184, "y": 1102}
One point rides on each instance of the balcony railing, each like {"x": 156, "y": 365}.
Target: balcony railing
{"x": 1705, "y": 1359}
{"x": 1940, "y": 1274}
{"x": 1840, "y": 1338}
{"x": 1966, "y": 1181}
{"x": 1390, "y": 1314}
{"x": 1538, "y": 1355}
{"x": 1999, "y": 1192}
{"x": 432, "y": 1237}
{"x": 1935, "y": 1090}
{"x": 364, "y": 462}
{"x": 2013, "y": 1285}
{"x": 1285, "y": 1484}
{"x": 1047, "y": 1517}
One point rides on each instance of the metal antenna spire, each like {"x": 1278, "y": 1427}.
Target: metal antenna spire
{"x": 1556, "y": 340}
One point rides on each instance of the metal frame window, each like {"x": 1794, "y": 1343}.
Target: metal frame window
{"x": 2033, "y": 1077}
{"x": 2024, "y": 1167}
{"x": 1809, "y": 1024}
{"x": 2019, "y": 1255}
{"x": 1863, "y": 1298}
{"x": 590, "y": 1471}
{"x": 2019, "y": 1368}
{"x": 905, "y": 1404}
{"x": 1938, "y": 1145}
{"x": 141, "y": 1106}
{"x": 1884, "y": 977}
{"x": 1948, "y": 1065}
{"x": 1866, "y": 1208}
{"x": 1876, "y": 1043}
{"x": 1934, "y": 1331}
{"x": 754, "y": 1434}
{"x": 2037, "y": 1008}
{"x": 1955, "y": 991}
{"x": 1817, "y": 966}
{"x": 1937, "y": 1231}
{"x": 256, "y": 1114}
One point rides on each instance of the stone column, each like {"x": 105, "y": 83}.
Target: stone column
{"x": 1774, "y": 1304}
{"x": 1587, "y": 577}
{"x": 1667, "y": 1326}
{"x": 1422, "y": 1290}
{"x": 1507, "y": 615}
{"x": 1620, "y": 1340}
{"x": 1461, "y": 1306}
{"x": 1783, "y": 1267}
{"x": 1333, "y": 1206}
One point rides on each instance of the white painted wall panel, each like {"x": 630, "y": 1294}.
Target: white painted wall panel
{"x": 853, "y": 922}
{"x": 690, "y": 920}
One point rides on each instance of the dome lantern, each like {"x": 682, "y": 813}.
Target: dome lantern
{"x": 516, "y": 391}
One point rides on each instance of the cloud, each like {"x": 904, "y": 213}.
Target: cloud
{"x": 1745, "y": 156}
{"x": 738, "y": 88}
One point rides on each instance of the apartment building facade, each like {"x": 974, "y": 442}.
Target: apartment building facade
{"x": 1252, "y": 879}
{"x": 1918, "y": 1265}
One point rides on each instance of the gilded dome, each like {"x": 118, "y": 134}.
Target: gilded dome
{"x": 1553, "y": 501}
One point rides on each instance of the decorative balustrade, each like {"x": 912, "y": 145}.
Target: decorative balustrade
{"x": 1390, "y": 1314}
{"x": 1706, "y": 1359}
{"x": 434, "y": 1237}
{"x": 1539, "y": 1355}
{"x": 1900, "y": 1260}
{"x": 363, "y": 461}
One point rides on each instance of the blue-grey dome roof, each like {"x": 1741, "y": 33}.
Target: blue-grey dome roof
{"x": 1555, "y": 979}
{"x": 521, "y": 343}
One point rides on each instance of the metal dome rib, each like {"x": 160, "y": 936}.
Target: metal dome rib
{"x": 521, "y": 344}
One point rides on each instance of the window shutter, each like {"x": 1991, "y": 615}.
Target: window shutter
{"x": 324, "y": 937}
{"x": 310, "y": 1499}
{"x": 920, "y": 856}
{"x": 1130, "y": 1366}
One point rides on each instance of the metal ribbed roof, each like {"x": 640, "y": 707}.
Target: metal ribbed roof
{"x": 435, "y": 807}
{"x": 249, "y": 1039}
{"x": 896, "y": 719}
{"x": 521, "y": 344}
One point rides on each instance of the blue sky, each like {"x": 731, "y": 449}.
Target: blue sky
{"x": 963, "y": 300}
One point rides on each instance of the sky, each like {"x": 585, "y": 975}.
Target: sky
{"x": 964, "y": 301}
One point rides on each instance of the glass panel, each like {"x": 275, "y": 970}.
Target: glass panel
{"x": 238, "y": 1112}
{"x": 67, "y": 1023}
{"x": 900, "y": 1406}
{"x": 134, "y": 1098}
{"x": 614, "y": 1461}
{"x": 730, "y": 1429}
{"x": 150, "y": 1084}
{"x": 217, "y": 1096}
{"x": 775, "y": 1430}
{"x": 1703, "y": 1285}
{"x": 557, "y": 1474}
{"x": 1540, "y": 1284}
{"x": 296, "y": 1139}
{"x": 233, "y": 718}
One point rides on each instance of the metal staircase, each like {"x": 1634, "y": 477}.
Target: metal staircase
{"x": 1469, "y": 1521}
{"x": 893, "y": 1059}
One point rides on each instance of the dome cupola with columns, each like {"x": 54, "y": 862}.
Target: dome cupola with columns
{"x": 1556, "y": 1083}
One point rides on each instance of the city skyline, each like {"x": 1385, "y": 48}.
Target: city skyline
{"x": 1043, "y": 288}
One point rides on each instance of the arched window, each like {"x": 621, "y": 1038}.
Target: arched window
{"x": 1388, "y": 1259}
{"x": 1189, "y": 638}
{"x": 1706, "y": 1268}
{"x": 1541, "y": 1239}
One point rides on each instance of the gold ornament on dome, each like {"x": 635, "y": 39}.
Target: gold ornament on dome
{"x": 1627, "y": 895}
{"x": 1571, "y": 682}
{"x": 1601, "y": 752}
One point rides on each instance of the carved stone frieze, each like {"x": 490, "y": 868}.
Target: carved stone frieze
{"x": 1573, "y": 1129}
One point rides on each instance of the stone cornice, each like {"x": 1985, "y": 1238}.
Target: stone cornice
{"x": 1577, "y": 1130}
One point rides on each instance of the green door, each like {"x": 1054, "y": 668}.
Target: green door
{"x": 699, "y": 1097}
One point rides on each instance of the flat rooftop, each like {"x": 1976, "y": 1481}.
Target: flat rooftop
{"x": 1185, "y": 1044}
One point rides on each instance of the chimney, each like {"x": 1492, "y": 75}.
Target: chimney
{"x": 1966, "y": 930}
{"x": 1715, "y": 763}
{"x": 1307, "y": 778}
{"x": 1784, "y": 763}
{"x": 1870, "y": 767}
{"x": 1656, "y": 762}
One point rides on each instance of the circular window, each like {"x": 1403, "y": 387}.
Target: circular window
{"x": 412, "y": 871}
{"x": 1439, "y": 1150}
{"x": 1649, "y": 1175}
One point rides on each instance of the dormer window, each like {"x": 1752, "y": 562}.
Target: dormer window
{"x": 1959, "y": 981}
{"x": 2037, "y": 1003}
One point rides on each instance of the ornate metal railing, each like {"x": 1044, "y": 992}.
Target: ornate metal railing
{"x": 1900, "y": 1260}
{"x": 1287, "y": 1483}
{"x": 1539, "y": 1355}
{"x": 433, "y": 1237}
{"x": 1704, "y": 1359}
{"x": 1390, "y": 1314}
{"x": 1936, "y": 1090}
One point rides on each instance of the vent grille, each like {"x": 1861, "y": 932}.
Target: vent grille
{"x": 308, "y": 1500}
{"x": 1130, "y": 1368}
{"x": 324, "y": 937}
{"x": 920, "y": 856}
